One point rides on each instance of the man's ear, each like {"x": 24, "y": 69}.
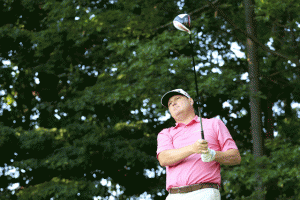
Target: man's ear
{"x": 191, "y": 101}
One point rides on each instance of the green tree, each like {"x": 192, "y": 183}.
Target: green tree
{"x": 279, "y": 174}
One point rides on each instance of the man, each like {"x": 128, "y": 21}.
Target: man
{"x": 193, "y": 164}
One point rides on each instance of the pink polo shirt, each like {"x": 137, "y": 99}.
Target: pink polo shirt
{"x": 192, "y": 170}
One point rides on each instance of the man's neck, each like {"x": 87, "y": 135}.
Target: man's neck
{"x": 185, "y": 119}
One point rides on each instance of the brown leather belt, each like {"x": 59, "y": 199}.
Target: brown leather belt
{"x": 190, "y": 188}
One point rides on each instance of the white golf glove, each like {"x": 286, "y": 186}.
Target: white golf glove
{"x": 209, "y": 156}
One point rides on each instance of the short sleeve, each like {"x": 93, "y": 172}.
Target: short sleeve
{"x": 225, "y": 139}
{"x": 164, "y": 141}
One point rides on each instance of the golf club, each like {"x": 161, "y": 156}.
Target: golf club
{"x": 179, "y": 22}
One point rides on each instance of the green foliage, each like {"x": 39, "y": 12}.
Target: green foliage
{"x": 8, "y": 144}
{"x": 278, "y": 172}
{"x": 45, "y": 154}
{"x": 266, "y": 9}
{"x": 62, "y": 189}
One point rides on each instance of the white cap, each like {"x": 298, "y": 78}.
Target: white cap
{"x": 168, "y": 95}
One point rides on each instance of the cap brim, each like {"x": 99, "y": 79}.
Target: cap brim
{"x": 167, "y": 96}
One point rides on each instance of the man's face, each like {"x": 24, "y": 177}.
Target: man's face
{"x": 178, "y": 104}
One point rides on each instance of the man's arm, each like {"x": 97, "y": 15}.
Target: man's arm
{"x": 174, "y": 156}
{"x": 229, "y": 157}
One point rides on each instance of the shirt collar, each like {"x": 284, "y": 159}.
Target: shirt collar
{"x": 195, "y": 120}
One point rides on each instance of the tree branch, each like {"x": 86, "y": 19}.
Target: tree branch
{"x": 252, "y": 37}
{"x": 213, "y": 5}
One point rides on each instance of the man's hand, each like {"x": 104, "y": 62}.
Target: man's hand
{"x": 207, "y": 154}
{"x": 200, "y": 146}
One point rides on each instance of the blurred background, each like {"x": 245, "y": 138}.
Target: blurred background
{"x": 81, "y": 82}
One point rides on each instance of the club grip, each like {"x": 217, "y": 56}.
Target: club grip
{"x": 202, "y": 132}
{"x": 202, "y": 135}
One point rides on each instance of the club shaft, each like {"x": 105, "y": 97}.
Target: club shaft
{"x": 194, "y": 68}
{"x": 196, "y": 83}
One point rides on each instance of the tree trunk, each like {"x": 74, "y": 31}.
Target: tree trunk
{"x": 256, "y": 121}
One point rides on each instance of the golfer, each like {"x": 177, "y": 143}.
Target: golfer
{"x": 193, "y": 164}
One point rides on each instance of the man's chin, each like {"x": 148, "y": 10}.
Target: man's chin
{"x": 177, "y": 113}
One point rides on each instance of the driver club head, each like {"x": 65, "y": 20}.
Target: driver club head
{"x": 182, "y": 21}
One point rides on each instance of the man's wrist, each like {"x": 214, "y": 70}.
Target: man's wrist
{"x": 191, "y": 149}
